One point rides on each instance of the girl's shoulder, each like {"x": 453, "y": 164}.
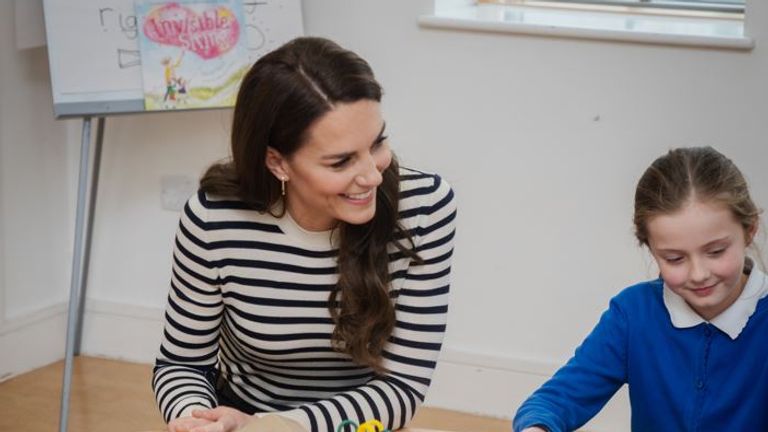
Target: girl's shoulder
{"x": 641, "y": 295}
{"x": 762, "y": 304}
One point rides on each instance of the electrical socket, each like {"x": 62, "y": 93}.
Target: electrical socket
{"x": 175, "y": 191}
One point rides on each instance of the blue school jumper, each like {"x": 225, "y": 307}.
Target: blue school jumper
{"x": 684, "y": 374}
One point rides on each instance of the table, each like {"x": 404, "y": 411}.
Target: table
{"x": 399, "y": 430}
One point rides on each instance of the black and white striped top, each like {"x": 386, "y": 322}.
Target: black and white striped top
{"x": 249, "y": 296}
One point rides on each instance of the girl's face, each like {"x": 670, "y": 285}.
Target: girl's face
{"x": 334, "y": 175}
{"x": 700, "y": 251}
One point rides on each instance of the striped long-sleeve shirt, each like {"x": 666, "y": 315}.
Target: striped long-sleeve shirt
{"x": 249, "y": 297}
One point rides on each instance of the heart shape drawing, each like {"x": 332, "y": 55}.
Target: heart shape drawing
{"x": 209, "y": 33}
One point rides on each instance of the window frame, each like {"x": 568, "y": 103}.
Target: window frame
{"x": 710, "y": 9}
{"x": 556, "y": 19}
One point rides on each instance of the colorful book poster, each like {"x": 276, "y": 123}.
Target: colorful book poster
{"x": 193, "y": 52}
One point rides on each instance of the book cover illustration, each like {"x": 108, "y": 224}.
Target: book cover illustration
{"x": 193, "y": 52}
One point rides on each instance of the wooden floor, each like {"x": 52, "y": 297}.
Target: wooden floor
{"x": 115, "y": 396}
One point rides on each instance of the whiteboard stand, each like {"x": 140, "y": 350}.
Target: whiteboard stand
{"x": 84, "y": 36}
{"x": 87, "y": 185}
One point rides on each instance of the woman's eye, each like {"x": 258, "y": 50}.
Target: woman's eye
{"x": 378, "y": 143}
{"x": 673, "y": 260}
{"x": 340, "y": 163}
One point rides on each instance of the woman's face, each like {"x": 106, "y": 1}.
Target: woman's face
{"x": 334, "y": 175}
{"x": 700, "y": 251}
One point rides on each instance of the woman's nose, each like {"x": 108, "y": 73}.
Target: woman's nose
{"x": 369, "y": 176}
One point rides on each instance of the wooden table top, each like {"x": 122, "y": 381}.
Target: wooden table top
{"x": 399, "y": 430}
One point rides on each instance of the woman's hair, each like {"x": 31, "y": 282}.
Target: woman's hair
{"x": 282, "y": 95}
{"x": 686, "y": 174}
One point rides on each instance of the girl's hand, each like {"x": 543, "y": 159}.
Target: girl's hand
{"x": 185, "y": 424}
{"x": 219, "y": 419}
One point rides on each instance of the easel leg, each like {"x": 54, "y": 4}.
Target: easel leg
{"x": 93, "y": 188}
{"x": 83, "y": 229}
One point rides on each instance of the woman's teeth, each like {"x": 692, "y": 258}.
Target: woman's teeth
{"x": 359, "y": 196}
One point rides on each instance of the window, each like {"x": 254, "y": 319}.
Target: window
{"x": 735, "y": 7}
{"x": 684, "y": 23}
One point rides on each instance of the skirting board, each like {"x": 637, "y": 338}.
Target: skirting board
{"x": 32, "y": 341}
{"x": 122, "y": 332}
{"x": 468, "y": 382}
{"x": 496, "y": 386}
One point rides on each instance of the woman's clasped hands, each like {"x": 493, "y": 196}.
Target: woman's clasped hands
{"x": 227, "y": 419}
{"x": 219, "y": 419}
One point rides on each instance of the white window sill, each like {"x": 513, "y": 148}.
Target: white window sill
{"x": 597, "y": 25}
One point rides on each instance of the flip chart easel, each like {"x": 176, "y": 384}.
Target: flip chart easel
{"x": 95, "y": 70}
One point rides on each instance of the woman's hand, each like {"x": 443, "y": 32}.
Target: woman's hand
{"x": 219, "y": 419}
{"x": 185, "y": 424}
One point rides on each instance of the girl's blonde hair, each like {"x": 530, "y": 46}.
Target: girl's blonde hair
{"x": 685, "y": 174}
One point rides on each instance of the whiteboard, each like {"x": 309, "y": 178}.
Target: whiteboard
{"x": 93, "y": 50}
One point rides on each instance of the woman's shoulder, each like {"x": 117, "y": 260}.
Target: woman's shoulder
{"x": 203, "y": 202}
{"x": 427, "y": 205}
{"x": 421, "y": 188}
{"x": 212, "y": 208}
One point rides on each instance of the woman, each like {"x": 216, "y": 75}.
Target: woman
{"x": 311, "y": 272}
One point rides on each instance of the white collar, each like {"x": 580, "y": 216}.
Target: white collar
{"x": 732, "y": 320}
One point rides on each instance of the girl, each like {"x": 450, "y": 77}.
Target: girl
{"x": 311, "y": 273}
{"x": 692, "y": 345}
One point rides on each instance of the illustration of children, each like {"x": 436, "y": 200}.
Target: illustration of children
{"x": 181, "y": 90}
{"x": 169, "y": 71}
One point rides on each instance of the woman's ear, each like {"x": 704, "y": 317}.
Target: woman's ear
{"x": 277, "y": 164}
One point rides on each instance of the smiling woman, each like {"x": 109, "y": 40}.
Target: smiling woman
{"x": 311, "y": 272}
{"x": 334, "y": 175}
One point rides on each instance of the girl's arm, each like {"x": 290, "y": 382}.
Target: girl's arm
{"x": 585, "y": 384}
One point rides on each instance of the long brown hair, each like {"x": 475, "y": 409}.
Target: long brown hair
{"x": 684, "y": 174}
{"x": 283, "y": 94}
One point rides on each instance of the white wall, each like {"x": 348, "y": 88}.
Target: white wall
{"x": 36, "y": 181}
{"x": 542, "y": 138}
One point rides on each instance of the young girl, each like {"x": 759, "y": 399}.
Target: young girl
{"x": 693, "y": 344}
